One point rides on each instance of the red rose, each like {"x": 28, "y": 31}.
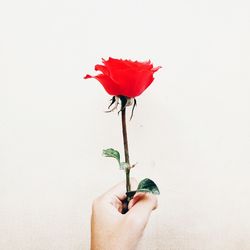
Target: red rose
{"x": 125, "y": 77}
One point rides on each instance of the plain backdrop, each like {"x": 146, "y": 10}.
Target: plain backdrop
{"x": 190, "y": 131}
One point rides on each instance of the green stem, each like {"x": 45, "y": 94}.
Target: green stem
{"x": 126, "y": 152}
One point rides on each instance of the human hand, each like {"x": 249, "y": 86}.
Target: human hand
{"x": 112, "y": 230}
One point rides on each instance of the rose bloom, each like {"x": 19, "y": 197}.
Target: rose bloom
{"x": 124, "y": 77}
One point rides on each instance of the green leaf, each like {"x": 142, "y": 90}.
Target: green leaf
{"x": 145, "y": 186}
{"x": 110, "y": 152}
{"x": 148, "y": 186}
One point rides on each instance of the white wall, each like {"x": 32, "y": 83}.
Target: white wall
{"x": 190, "y": 132}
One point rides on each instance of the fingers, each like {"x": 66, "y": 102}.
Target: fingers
{"x": 141, "y": 196}
{"x": 114, "y": 196}
{"x": 141, "y": 207}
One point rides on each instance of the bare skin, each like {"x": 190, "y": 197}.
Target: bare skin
{"x": 111, "y": 230}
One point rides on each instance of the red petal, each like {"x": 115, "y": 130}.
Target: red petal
{"x": 102, "y": 68}
{"x": 139, "y": 65}
{"x": 132, "y": 82}
{"x": 110, "y": 86}
{"x": 113, "y": 64}
{"x": 156, "y": 69}
{"x": 125, "y": 77}
{"x": 87, "y": 77}
{"x": 144, "y": 79}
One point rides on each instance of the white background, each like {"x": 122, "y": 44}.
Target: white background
{"x": 190, "y": 132}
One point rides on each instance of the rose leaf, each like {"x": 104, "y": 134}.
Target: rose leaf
{"x": 148, "y": 186}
